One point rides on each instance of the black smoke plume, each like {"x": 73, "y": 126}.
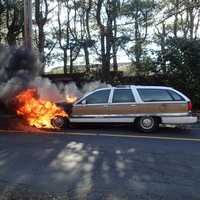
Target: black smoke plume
{"x": 18, "y": 67}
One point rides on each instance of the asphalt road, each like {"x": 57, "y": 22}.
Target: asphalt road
{"x": 108, "y": 163}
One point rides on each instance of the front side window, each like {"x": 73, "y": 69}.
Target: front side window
{"x": 151, "y": 95}
{"x": 123, "y": 96}
{"x": 97, "y": 97}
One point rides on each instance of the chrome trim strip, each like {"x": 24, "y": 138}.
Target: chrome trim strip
{"x": 84, "y": 105}
{"x": 102, "y": 120}
{"x": 131, "y": 115}
{"x": 124, "y": 103}
{"x": 163, "y": 102}
{"x": 165, "y": 120}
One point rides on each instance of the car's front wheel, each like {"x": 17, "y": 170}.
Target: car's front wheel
{"x": 59, "y": 122}
{"x": 147, "y": 124}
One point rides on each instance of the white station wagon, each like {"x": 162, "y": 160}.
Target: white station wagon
{"x": 144, "y": 106}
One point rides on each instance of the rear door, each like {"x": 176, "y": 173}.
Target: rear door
{"x": 92, "y": 108}
{"x": 161, "y": 101}
{"x": 123, "y": 105}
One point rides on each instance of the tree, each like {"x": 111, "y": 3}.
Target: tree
{"x": 85, "y": 39}
{"x": 63, "y": 32}
{"x": 14, "y": 20}
{"x": 140, "y": 14}
{"x": 182, "y": 58}
{"x": 115, "y": 41}
{"x": 41, "y": 14}
{"x": 181, "y": 17}
{"x": 106, "y": 34}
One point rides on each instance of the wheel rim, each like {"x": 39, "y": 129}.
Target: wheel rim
{"x": 147, "y": 123}
{"x": 58, "y": 122}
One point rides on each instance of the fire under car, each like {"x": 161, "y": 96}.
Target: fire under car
{"x": 146, "y": 107}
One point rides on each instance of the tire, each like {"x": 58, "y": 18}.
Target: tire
{"x": 60, "y": 122}
{"x": 147, "y": 124}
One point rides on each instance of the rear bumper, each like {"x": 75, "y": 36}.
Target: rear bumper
{"x": 180, "y": 120}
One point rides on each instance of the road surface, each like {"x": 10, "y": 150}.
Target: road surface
{"x": 108, "y": 163}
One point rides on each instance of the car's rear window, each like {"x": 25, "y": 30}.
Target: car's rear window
{"x": 97, "y": 97}
{"x": 153, "y": 95}
{"x": 123, "y": 96}
{"x": 176, "y": 96}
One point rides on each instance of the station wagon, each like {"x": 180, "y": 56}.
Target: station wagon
{"x": 144, "y": 106}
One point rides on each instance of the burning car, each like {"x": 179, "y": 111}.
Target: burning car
{"x": 144, "y": 106}
{"x": 38, "y": 112}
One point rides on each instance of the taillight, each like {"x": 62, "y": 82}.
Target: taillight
{"x": 189, "y": 106}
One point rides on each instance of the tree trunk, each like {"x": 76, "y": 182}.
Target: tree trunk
{"x": 106, "y": 59}
{"x": 109, "y": 39}
{"x": 191, "y": 24}
{"x": 137, "y": 45}
{"x": 11, "y": 38}
{"x": 106, "y": 68}
{"x": 103, "y": 36}
{"x": 163, "y": 51}
{"x": 176, "y": 18}
{"x": 13, "y": 26}
{"x": 86, "y": 51}
{"x": 103, "y": 55}
{"x": 65, "y": 61}
{"x": 115, "y": 64}
{"x": 87, "y": 61}
{"x": 71, "y": 62}
{"x": 88, "y": 18}
{"x": 41, "y": 42}
{"x": 41, "y": 19}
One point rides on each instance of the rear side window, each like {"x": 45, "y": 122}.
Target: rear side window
{"x": 176, "y": 96}
{"x": 97, "y": 97}
{"x": 123, "y": 96}
{"x": 153, "y": 95}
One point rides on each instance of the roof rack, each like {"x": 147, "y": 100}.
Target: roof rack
{"x": 122, "y": 86}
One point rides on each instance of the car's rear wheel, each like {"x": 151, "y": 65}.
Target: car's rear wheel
{"x": 147, "y": 124}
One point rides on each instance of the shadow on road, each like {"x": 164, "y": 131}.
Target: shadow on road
{"x": 99, "y": 167}
{"x": 13, "y": 123}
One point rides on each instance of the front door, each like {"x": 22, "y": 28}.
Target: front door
{"x": 93, "y": 108}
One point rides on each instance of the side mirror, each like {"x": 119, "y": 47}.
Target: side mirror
{"x": 83, "y": 102}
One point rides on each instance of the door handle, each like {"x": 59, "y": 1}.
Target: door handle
{"x": 133, "y": 105}
{"x": 105, "y": 106}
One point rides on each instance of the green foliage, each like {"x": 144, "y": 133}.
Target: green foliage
{"x": 181, "y": 56}
{"x": 182, "y": 59}
{"x": 73, "y": 30}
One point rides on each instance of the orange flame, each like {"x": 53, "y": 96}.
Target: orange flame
{"x": 35, "y": 111}
{"x": 70, "y": 99}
